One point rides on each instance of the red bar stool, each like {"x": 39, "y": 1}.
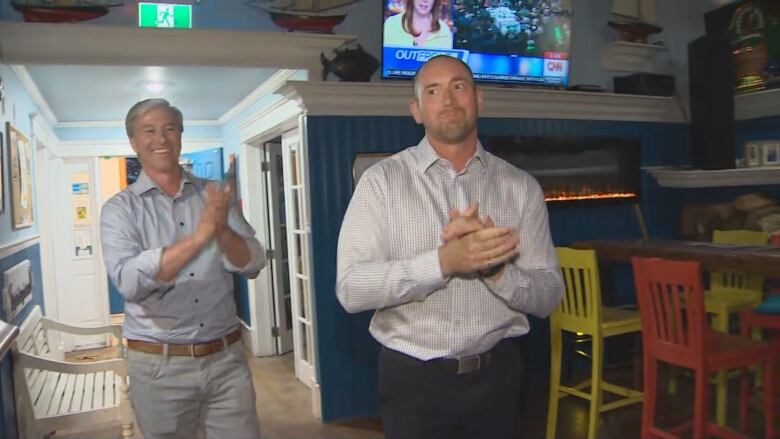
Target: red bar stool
{"x": 675, "y": 331}
{"x": 749, "y": 321}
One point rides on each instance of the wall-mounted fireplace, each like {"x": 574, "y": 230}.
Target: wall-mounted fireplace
{"x": 576, "y": 169}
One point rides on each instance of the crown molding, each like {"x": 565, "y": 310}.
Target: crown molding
{"x": 757, "y": 104}
{"x": 392, "y": 99}
{"x": 35, "y": 93}
{"x": 68, "y": 43}
{"x": 269, "y": 86}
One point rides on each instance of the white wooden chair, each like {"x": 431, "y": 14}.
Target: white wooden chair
{"x": 52, "y": 394}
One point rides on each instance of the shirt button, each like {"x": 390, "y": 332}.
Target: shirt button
{"x": 181, "y": 224}
{"x": 196, "y": 300}
{"x": 192, "y": 274}
{"x": 201, "y": 325}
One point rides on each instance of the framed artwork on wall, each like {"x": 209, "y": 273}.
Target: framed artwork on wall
{"x": 364, "y": 161}
{"x": 20, "y": 177}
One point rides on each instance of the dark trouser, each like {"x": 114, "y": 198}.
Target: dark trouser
{"x": 430, "y": 399}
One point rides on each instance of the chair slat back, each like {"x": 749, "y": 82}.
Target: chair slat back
{"x": 671, "y": 304}
{"x": 581, "y": 303}
{"x": 736, "y": 281}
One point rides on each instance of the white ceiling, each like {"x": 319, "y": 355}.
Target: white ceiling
{"x": 80, "y": 93}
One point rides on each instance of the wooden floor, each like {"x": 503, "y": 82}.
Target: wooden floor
{"x": 284, "y": 409}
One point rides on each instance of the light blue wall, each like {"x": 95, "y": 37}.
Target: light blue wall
{"x": 18, "y": 108}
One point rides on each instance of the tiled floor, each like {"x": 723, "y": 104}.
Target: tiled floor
{"x": 284, "y": 409}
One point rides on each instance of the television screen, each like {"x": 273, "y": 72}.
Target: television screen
{"x": 513, "y": 41}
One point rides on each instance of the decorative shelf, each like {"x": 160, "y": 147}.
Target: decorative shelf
{"x": 757, "y": 104}
{"x": 698, "y": 178}
{"x": 630, "y": 57}
{"x": 392, "y": 98}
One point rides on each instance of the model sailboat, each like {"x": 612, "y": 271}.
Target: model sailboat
{"x": 634, "y": 19}
{"x": 304, "y": 15}
{"x": 57, "y": 11}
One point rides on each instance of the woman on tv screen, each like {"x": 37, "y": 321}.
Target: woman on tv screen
{"x": 419, "y": 25}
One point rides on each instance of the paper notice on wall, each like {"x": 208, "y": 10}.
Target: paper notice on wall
{"x": 81, "y": 214}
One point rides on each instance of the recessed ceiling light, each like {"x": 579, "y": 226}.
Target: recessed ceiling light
{"x": 154, "y": 86}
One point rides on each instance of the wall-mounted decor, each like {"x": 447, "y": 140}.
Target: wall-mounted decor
{"x": 17, "y": 288}
{"x": 364, "y": 161}
{"x": 20, "y": 173}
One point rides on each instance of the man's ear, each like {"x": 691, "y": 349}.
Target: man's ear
{"x": 414, "y": 108}
{"x": 132, "y": 145}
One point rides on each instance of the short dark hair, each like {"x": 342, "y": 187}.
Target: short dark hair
{"x": 143, "y": 107}
{"x": 417, "y": 74}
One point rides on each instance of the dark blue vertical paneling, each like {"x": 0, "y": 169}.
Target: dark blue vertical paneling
{"x": 765, "y": 128}
{"x": 347, "y": 353}
{"x": 7, "y": 406}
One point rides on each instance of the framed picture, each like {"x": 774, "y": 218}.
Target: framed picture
{"x": 770, "y": 154}
{"x": 364, "y": 161}
{"x": 752, "y": 154}
{"x": 20, "y": 177}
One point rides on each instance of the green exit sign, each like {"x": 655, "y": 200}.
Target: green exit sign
{"x": 164, "y": 15}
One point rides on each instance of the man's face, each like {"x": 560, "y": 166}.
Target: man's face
{"x": 447, "y": 102}
{"x": 157, "y": 140}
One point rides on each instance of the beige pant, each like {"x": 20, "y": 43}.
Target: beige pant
{"x": 174, "y": 397}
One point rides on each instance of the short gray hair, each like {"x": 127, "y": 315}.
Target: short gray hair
{"x": 143, "y": 107}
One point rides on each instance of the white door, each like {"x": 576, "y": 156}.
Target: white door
{"x": 298, "y": 233}
{"x": 80, "y": 300}
{"x": 278, "y": 263}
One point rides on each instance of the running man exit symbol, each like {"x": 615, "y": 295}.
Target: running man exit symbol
{"x": 164, "y": 15}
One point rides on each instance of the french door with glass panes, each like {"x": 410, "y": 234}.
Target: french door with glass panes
{"x": 298, "y": 253}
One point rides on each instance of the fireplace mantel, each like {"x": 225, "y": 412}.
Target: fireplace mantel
{"x": 392, "y": 99}
{"x": 698, "y": 178}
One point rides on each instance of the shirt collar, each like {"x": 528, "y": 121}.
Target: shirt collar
{"x": 144, "y": 183}
{"x": 426, "y": 156}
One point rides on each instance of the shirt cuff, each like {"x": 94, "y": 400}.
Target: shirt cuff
{"x": 426, "y": 270}
{"x": 149, "y": 265}
{"x": 511, "y": 280}
{"x": 255, "y": 263}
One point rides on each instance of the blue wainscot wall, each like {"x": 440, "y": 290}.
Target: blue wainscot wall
{"x": 347, "y": 353}
{"x": 7, "y": 405}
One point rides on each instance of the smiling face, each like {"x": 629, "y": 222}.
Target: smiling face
{"x": 447, "y": 101}
{"x": 157, "y": 140}
{"x": 423, "y": 7}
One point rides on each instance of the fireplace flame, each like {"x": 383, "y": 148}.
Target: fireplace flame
{"x": 587, "y": 196}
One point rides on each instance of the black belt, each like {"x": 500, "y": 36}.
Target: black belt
{"x": 461, "y": 365}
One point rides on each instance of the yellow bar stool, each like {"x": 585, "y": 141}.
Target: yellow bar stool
{"x": 581, "y": 312}
{"x": 731, "y": 293}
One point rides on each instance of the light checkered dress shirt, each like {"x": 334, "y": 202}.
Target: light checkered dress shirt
{"x": 388, "y": 254}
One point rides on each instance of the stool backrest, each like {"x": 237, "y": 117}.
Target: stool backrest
{"x": 736, "y": 281}
{"x": 671, "y": 303}
{"x": 580, "y": 308}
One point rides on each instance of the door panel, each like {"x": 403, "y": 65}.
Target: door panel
{"x": 80, "y": 299}
{"x": 277, "y": 236}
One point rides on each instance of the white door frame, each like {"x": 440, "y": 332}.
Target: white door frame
{"x": 271, "y": 123}
{"x": 47, "y": 165}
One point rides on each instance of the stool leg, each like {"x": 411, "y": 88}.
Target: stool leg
{"x": 769, "y": 397}
{"x": 595, "y": 385}
{"x": 743, "y": 400}
{"x": 651, "y": 393}
{"x": 701, "y": 403}
{"x": 721, "y": 324}
{"x": 556, "y": 341}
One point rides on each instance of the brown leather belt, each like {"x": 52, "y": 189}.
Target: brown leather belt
{"x": 185, "y": 350}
